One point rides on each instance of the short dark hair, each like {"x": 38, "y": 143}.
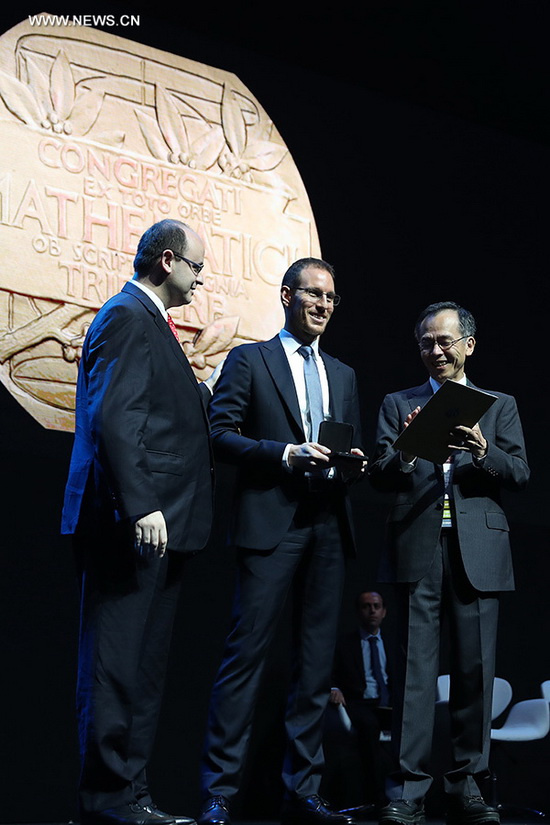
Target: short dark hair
{"x": 166, "y": 234}
{"x": 466, "y": 320}
{"x": 358, "y": 597}
{"x": 292, "y": 275}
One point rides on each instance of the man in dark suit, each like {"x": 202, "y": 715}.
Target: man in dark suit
{"x": 361, "y": 685}
{"x": 448, "y": 552}
{"x": 292, "y": 530}
{"x": 138, "y": 499}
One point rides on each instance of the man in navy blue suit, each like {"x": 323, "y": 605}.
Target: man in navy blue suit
{"x": 447, "y": 553}
{"x": 292, "y": 529}
{"x": 138, "y": 500}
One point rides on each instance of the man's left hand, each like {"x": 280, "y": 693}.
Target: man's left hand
{"x": 469, "y": 439}
{"x": 151, "y": 535}
{"x": 350, "y": 470}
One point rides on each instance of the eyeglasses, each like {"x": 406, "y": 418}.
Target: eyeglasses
{"x": 315, "y": 295}
{"x": 427, "y": 344}
{"x": 197, "y": 268}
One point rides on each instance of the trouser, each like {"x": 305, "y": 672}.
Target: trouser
{"x": 472, "y": 618}
{"x": 310, "y": 561}
{"x": 365, "y": 718}
{"x": 127, "y": 611}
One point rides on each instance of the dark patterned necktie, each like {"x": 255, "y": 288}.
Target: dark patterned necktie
{"x": 383, "y": 693}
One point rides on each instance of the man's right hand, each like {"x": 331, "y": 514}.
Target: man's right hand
{"x": 411, "y": 416}
{"x": 308, "y": 456}
{"x": 337, "y": 697}
{"x": 151, "y": 535}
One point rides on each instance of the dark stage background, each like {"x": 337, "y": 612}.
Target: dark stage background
{"x": 422, "y": 133}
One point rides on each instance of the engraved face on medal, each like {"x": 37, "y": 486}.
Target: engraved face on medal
{"x": 100, "y": 137}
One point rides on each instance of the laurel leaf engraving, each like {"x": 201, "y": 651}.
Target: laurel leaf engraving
{"x": 115, "y": 138}
{"x": 276, "y": 182}
{"x": 186, "y": 108}
{"x": 206, "y": 149}
{"x": 151, "y": 135}
{"x": 233, "y": 123}
{"x": 216, "y": 337}
{"x": 86, "y": 110}
{"x": 19, "y": 99}
{"x": 62, "y": 86}
{"x": 263, "y": 131}
{"x": 263, "y": 155}
{"x": 170, "y": 122}
{"x": 39, "y": 85}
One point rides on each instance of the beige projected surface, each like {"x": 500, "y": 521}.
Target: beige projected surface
{"x": 99, "y": 138}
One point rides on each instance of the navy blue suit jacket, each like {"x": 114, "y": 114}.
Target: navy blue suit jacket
{"x": 142, "y": 435}
{"x": 348, "y": 672}
{"x": 254, "y": 414}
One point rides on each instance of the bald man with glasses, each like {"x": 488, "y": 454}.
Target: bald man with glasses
{"x": 139, "y": 499}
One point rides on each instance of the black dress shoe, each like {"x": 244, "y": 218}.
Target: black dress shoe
{"x": 215, "y": 811}
{"x": 369, "y": 809}
{"x": 152, "y": 808}
{"x": 403, "y": 812}
{"x": 131, "y": 814}
{"x": 312, "y": 810}
{"x": 470, "y": 810}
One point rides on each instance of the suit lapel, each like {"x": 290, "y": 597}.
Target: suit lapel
{"x": 277, "y": 366}
{"x": 358, "y": 657}
{"x": 419, "y": 396}
{"x": 335, "y": 385}
{"x": 165, "y": 331}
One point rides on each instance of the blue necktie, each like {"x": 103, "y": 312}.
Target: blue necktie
{"x": 313, "y": 392}
{"x": 383, "y": 693}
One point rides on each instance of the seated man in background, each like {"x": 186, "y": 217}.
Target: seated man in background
{"x": 360, "y": 679}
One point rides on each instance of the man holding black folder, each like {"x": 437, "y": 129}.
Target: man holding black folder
{"x": 447, "y": 552}
{"x": 292, "y": 528}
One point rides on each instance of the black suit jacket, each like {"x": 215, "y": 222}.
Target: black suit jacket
{"x": 254, "y": 414}
{"x": 142, "y": 434}
{"x": 414, "y": 521}
{"x": 349, "y": 672}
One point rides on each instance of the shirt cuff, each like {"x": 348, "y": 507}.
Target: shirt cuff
{"x": 406, "y": 466}
{"x": 286, "y": 465}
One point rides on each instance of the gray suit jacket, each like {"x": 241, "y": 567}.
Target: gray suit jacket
{"x": 414, "y": 520}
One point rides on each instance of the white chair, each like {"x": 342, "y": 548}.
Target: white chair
{"x": 502, "y": 693}
{"x": 545, "y": 690}
{"x": 526, "y": 721}
{"x": 502, "y": 696}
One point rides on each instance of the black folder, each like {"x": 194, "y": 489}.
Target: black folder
{"x": 428, "y": 435}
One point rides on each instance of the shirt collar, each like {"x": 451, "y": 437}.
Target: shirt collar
{"x": 291, "y": 344}
{"x": 153, "y": 296}
{"x": 366, "y": 634}
{"x": 437, "y": 386}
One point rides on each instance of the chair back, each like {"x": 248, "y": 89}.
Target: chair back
{"x": 527, "y": 720}
{"x": 502, "y": 696}
{"x": 502, "y": 693}
{"x": 443, "y": 688}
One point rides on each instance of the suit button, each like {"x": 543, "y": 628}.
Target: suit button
{"x": 439, "y": 506}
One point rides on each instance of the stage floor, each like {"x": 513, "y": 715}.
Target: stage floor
{"x": 429, "y": 821}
